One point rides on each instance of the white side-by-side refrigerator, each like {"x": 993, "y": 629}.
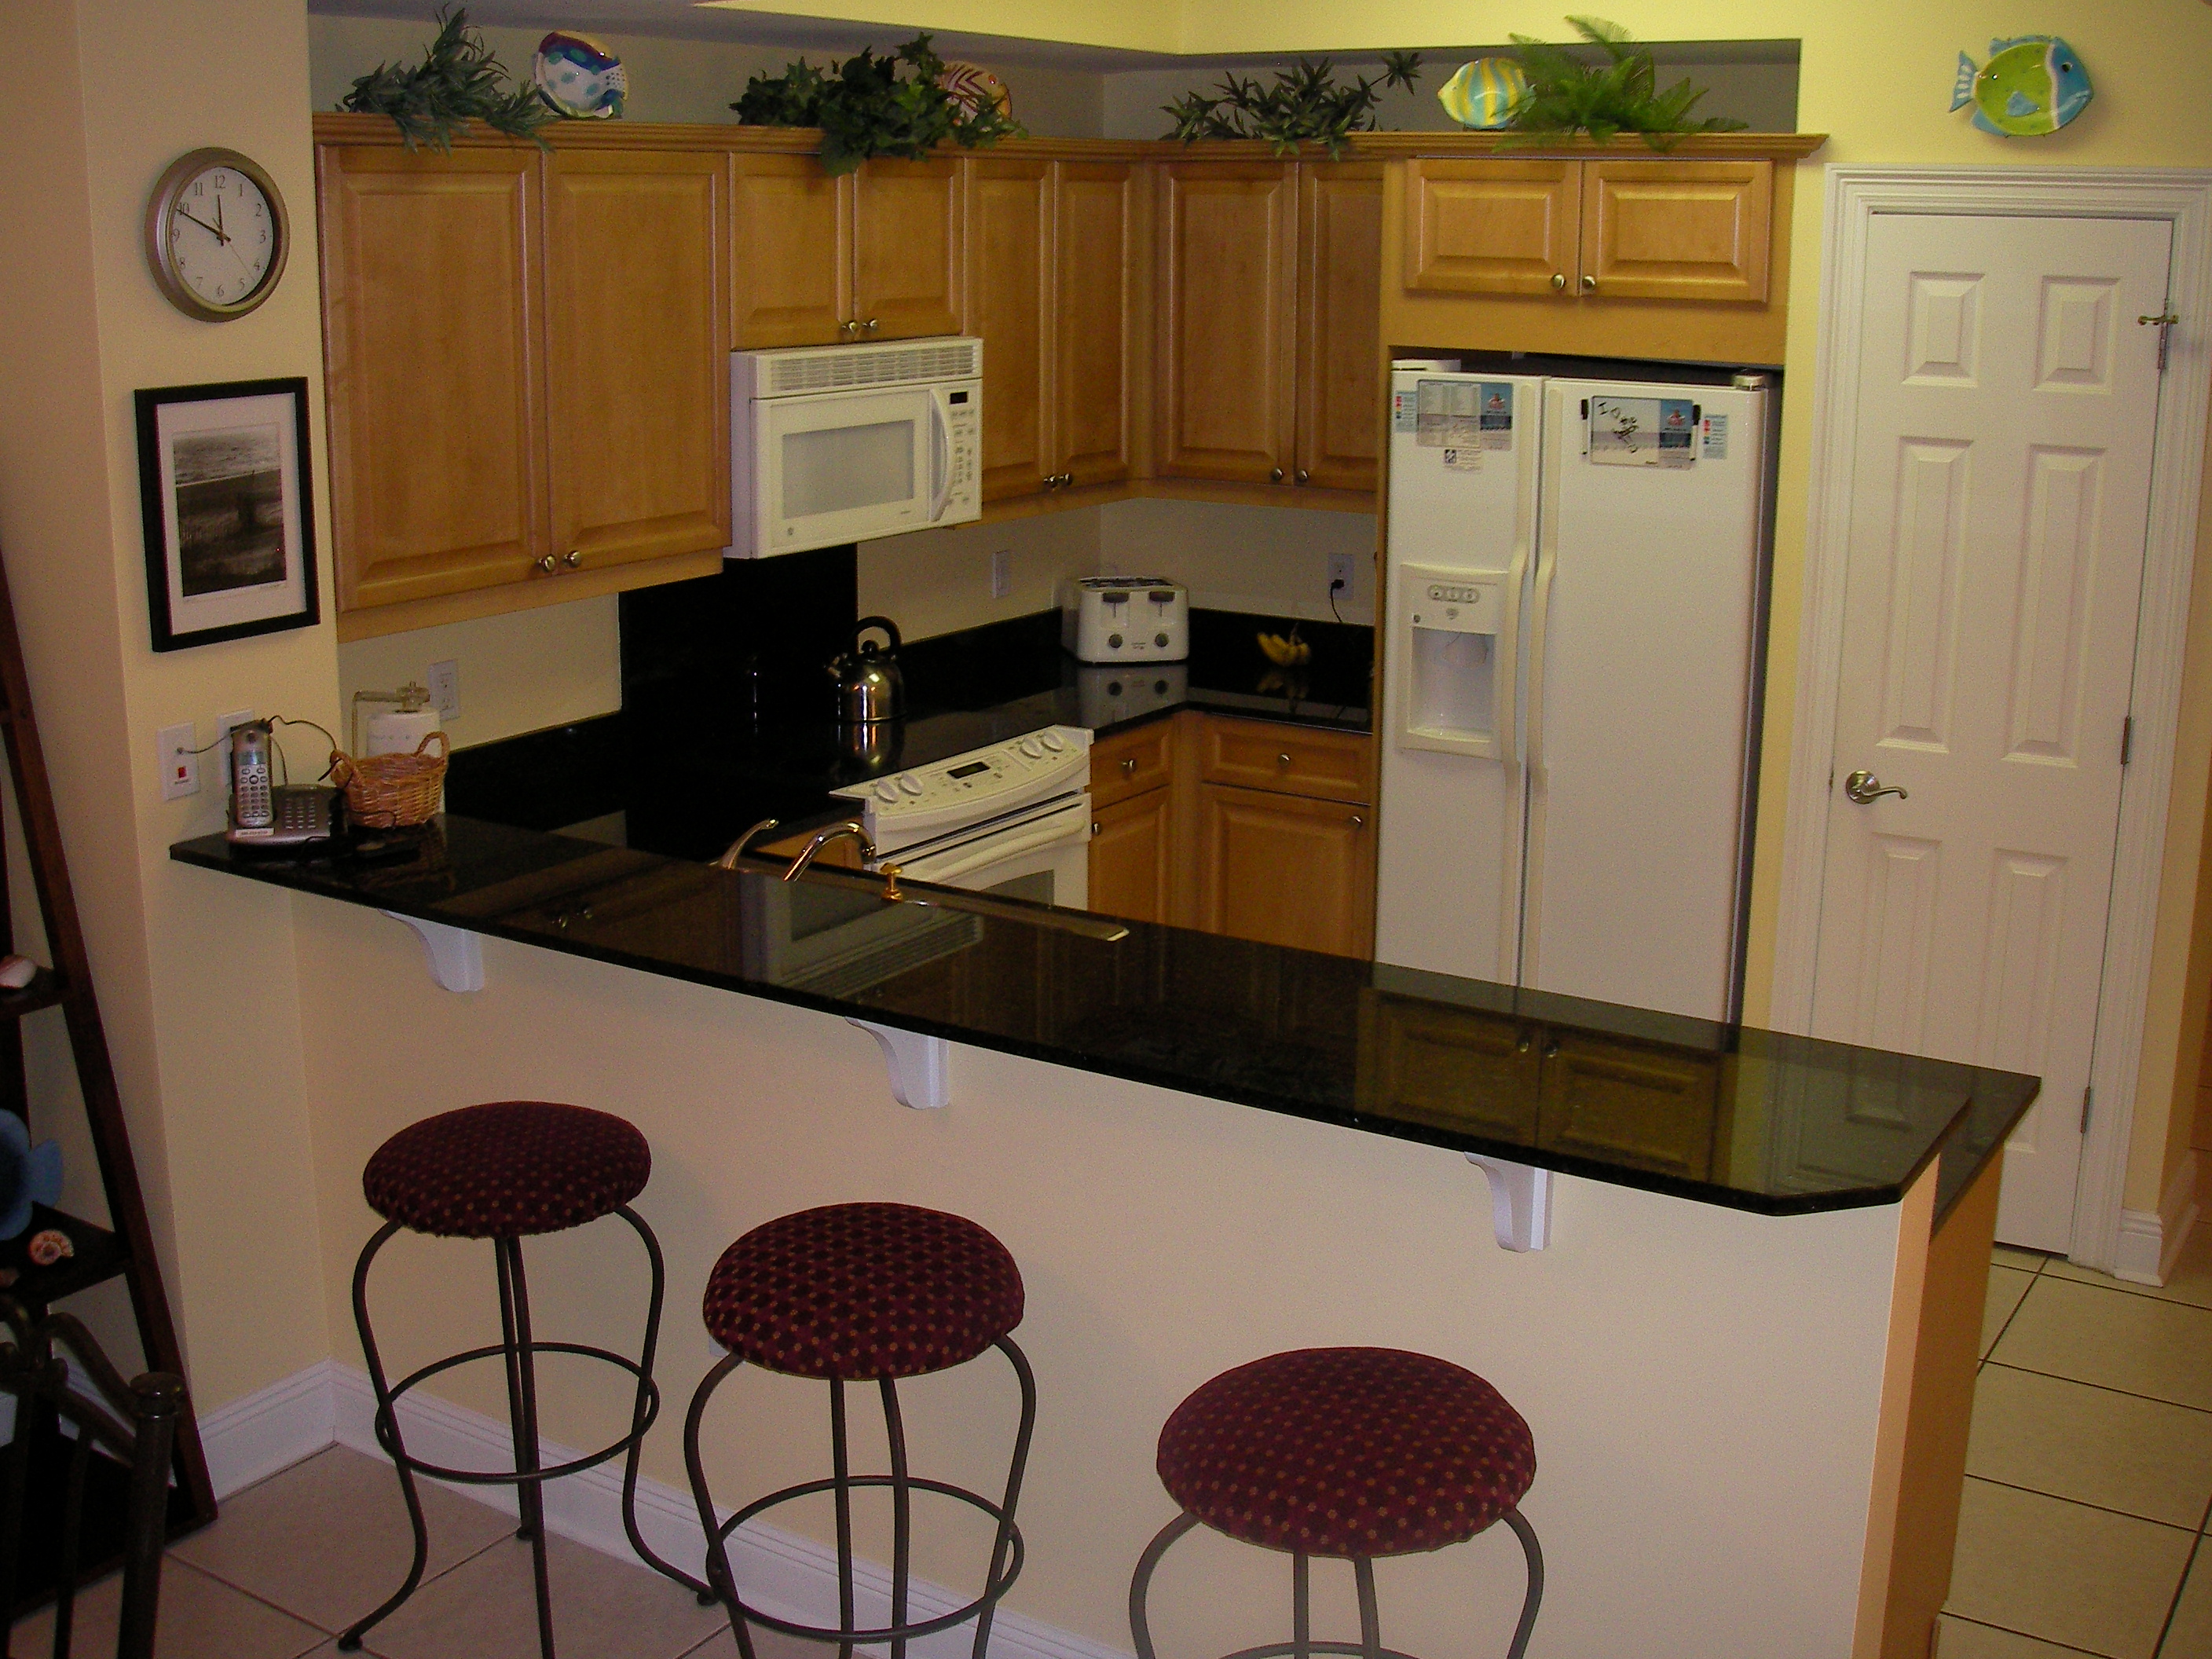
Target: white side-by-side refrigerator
{"x": 1575, "y": 612}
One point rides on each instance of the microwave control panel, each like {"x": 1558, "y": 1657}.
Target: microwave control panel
{"x": 980, "y": 784}
{"x": 964, "y": 460}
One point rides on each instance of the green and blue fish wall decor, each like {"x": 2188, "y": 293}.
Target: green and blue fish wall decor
{"x": 2032, "y": 84}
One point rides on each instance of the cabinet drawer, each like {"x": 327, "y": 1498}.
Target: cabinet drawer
{"x": 1290, "y": 760}
{"x": 1129, "y": 762}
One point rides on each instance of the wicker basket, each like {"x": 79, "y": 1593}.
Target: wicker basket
{"x": 383, "y": 792}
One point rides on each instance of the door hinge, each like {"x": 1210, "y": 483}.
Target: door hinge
{"x": 2087, "y": 1095}
{"x": 2127, "y": 739}
{"x": 2164, "y": 323}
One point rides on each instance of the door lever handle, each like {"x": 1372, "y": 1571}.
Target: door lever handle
{"x": 1863, "y": 787}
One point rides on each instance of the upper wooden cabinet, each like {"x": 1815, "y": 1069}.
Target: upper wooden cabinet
{"x": 1099, "y": 281}
{"x": 1270, "y": 357}
{"x": 1009, "y": 307}
{"x": 1492, "y": 227}
{"x": 636, "y": 353}
{"x": 434, "y": 380}
{"x": 872, "y": 255}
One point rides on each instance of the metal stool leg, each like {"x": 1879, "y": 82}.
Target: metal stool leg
{"x": 1140, "y": 1629}
{"x": 1301, "y": 1606}
{"x": 1529, "y": 1548}
{"x": 530, "y": 1490}
{"x": 840, "y": 1467}
{"x": 901, "y": 1510}
{"x": 1015, "y": 1469}
{"x": 642, "y": 1411}
{"x": 718, "y": 1558}
{"x": 1370, "y": 1618}
{"x": 387, "y": 1434}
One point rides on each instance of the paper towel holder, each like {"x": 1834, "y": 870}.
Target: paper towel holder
{"x": 410, "y": 698}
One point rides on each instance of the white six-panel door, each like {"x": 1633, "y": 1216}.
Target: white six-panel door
{"x": 2001, "y": 473}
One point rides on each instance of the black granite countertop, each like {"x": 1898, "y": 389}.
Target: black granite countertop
{"x": 1723, "y": 1115}
{"x": 695, "y": 755}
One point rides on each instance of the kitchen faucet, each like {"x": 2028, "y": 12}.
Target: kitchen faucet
{"x": 821, "y": 838}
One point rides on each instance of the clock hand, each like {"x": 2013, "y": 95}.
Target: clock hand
{"x": 211, "y": 230}
{"x": 218, "y": 217}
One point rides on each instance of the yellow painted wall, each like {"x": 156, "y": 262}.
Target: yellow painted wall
{"x": 196, "y": 983}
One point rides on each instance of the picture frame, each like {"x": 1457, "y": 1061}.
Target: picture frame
{"x": 226, "y": 492}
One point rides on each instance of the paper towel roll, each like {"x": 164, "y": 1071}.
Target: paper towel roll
{"x": 395, "y": 734}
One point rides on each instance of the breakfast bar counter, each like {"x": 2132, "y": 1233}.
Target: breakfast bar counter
{"x": 1745, "y": 1341}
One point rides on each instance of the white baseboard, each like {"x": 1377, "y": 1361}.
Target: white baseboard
{"x": 2150, "y": 1240}
{"x": 780, "y": 1572}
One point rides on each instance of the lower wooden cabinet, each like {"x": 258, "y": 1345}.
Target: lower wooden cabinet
{"x": 1133, "y": 857}
{"x": 1286, "y": 870}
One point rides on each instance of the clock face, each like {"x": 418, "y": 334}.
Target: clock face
{"x": 216, "y": 230}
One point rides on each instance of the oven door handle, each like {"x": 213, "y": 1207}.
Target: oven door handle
{"x": 946, "y": 867}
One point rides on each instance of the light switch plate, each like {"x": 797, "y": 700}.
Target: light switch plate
{"x": 445, "y": 679}
{"x": 1002, "y": 572}
{"x": 180, "y": 768}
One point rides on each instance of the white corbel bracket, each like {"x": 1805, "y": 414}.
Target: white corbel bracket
{"x": 1520, "y": 1202}
{"x": 916, "y": 1062}
{"x": 456, "y": 954}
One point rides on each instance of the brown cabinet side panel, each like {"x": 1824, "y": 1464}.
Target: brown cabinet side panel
{"x": 431, "y": 356}
{"x": 791, "y": 252}
{"x": 1340, "y": 369}
{"x": 1287, "y": 871}
{"x": 1487, "y": 227}
{"x": 1008, "y": 307}
{"x": 1678, "y": 230}
{"x": 1228, "y": 290}
{"x": 1131, "y": 845}
{"x": 637, "y": 344}
{"x": 907, "y": 249}
{"x": 1095, "y": 279}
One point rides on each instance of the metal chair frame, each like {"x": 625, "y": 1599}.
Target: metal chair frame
{"x": 1301, "y": 1645}
{"x": 519, "y": 1350}
{"x": 1007, "y": 1551}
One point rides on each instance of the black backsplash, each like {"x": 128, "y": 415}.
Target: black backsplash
{"x": 752, "y": 639}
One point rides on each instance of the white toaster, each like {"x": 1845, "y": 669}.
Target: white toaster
{"x": 1125, "y": 619}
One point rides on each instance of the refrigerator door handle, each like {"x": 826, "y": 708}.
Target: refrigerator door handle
{"x": 1546, "y": 561}
{"x": 1508, "y": 664}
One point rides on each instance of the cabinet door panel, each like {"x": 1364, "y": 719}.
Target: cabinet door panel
{"x": 1629, "y": 1102}
{"x": 1678, "y": 230}
{"x": 431, "y": 355}
{"x": 1131, "y": 843}
{"x": 1339, "y": 372}
{"x": 1130, "y": 763}
{"x": 1491, "y": 227}
{"x": 1008, "y": 307}
{"x": 1287, "y": 871}
{"x": 905, "y": 249}
{"x": 1095, "y": 278}
{"x": 637, "y": 343}
{"x": 1454, "y": 1069}
{"x": 1228, "y": 292}
{"x": 791, "y": 252}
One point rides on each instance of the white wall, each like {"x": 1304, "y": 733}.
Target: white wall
{"x": 519, "y": 672}
{"x": 939, "y": 582}
{"x": 1270, "y": 560}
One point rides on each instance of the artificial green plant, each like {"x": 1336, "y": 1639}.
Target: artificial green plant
{"x": 865, "y": 106}
{"x": 459, "y": 81}
{"x": 1568, "y": 92}
{"x": 1306, "y": 105}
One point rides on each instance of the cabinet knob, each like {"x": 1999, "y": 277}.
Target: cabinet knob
{"x": 544, "y": 562}
{"x": 1276, "y": 477}
{"x": 1558, "y": 279}
{"x": 1066, "y": 478}
{"x": 1303, "y": 475}
{"x": 1358, "y": 822}
{"x": 1094, "y": 826}
{"x": 873, "y": 324}
{"x": 573, "y": 557}
{"x": 1129, "y": 766}
{"x": 1551, "y": 1051}
{"x": 1525, "y": 1044}
{"x": 1282, "y": 760}
{"x": 1589, "y": 284}
{"x": 849, "y": 328}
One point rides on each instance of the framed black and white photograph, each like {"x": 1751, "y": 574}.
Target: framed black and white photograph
{"x": 230, "y": 523}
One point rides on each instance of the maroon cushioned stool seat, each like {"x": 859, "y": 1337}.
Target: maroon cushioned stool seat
{"x": 505, "y": 1171}
{"x": 1346, "y": 1453}
{"x": 865, "y": 1293}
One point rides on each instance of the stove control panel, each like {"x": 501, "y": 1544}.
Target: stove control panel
{"x": 982, "y": 781}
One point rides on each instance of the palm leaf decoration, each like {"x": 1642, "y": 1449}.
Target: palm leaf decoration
{"x": 895, "y": 105}
{"x": 1305, "y": 105}
{"x": 459, "y": 81}
{"x": 1568, "y": 92}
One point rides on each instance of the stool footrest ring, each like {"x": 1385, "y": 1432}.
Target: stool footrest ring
{"x": 388, "y": 1437}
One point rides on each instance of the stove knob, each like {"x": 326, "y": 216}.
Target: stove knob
{"x": 1032, "y": 748}
{"x": 910, "y": 783}
{"x": 1055, "y": 742}
{"x": 886, "y": 792}
{"x": 1161, "y": 640}
{"x": 1113, "y": 642}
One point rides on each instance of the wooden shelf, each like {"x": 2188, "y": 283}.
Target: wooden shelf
{"x": 101, "y": 1256}
{"x": 44, "y": 991}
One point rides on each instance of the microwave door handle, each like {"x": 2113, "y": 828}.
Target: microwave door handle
{"x": 940, "y": 460}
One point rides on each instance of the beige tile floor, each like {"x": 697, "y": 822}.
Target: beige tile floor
{"x": 293, "y": 1560}
{"x": 2089, "y": 1472}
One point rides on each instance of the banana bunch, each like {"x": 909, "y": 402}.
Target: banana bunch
{"x": 1285, "y": 653}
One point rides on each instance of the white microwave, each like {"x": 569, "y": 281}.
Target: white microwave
{"x": 832, "y": 443}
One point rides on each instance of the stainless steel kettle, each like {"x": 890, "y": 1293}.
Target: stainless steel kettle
{"x": 870, "y": 687}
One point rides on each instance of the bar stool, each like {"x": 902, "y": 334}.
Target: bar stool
{"x": 1348, "y": 1454}
{"x": 865, "y": 1293}
{"x": 506, "y": 1171}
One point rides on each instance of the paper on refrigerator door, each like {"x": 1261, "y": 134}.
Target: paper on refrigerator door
{"x": 1496, "y": 421}
{"x": 1643, "y": 432}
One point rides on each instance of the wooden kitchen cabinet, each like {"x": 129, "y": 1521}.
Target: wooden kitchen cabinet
{"x": 1646, "y": 1103}
{"x": 1338, "y": 380}
{"x": 1132, "y": 761}
{"x": 1009, "y": 308}
{"x": 637, "y": 338}
{"x": 433, "y": 376}
{"x": 1297, "y": 760}
{"x": 1488, "y": 227}
{"x": 872, "y": 255}
{"x": 1133, "y": 857}
{"x": 1286, "y": 870}
{"x": 1452, "y": 1068}
{"x": 1098, "y": 281}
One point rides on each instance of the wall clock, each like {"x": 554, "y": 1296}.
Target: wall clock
{"x": 216, "y": 234}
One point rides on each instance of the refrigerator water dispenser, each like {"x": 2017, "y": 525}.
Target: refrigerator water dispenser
{"x": 1455, "y": 654}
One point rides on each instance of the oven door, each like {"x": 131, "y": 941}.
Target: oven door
{"x": 1044, "y": 857}
{"x": 845, "y": 466}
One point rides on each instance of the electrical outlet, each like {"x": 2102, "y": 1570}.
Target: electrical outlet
{"x": 180, "y": 768}
{"x": 445, "y": 688}
{"x": 1002, "y": 574}
{"x": 1339, "y": 574}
